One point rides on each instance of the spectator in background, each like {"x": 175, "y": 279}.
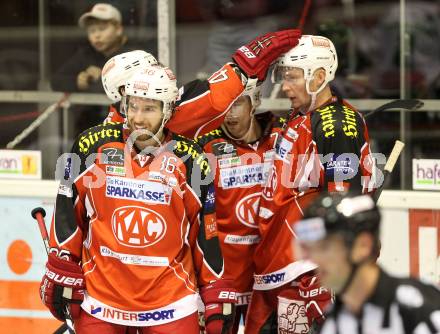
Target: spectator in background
{"x": 82, "y": 72}
{"x": 422, "y": 60}
{"x": 354, "y": 66}
{"x": 105, "y": 33}
{"x": 235, "y": 22}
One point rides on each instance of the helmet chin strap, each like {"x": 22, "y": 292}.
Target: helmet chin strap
{"x": 123, "y": 107}
{"x": 354, "y": 269}
{"x": 247, "y": 137}
{"x": 146, "y": 146}
{"x": 154, "y": 140}
{"x": 313, "y": 95}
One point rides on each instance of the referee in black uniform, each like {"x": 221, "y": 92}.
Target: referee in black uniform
{"x": 341, "y": 235}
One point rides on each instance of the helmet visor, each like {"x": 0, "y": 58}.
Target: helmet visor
{"x": 287, "y": 73}
{"x": 140, "y": 104}
{"x": 239, "y": 108}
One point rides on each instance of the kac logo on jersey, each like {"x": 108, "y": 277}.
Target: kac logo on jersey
{"x": 246, "y": 210}
{"x": 135, "y": 226}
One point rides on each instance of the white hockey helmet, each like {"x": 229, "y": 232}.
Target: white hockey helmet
{"x": 118, "y": 69}
{"x": 157, "y": 83}
{"x": 311, "y": 53}
{"x": 254, "y": 93}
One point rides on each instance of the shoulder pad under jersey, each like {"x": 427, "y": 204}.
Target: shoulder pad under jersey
{"x": 279, "y": 122}
{"x": 207, "y": 137}
{"x": 191, "y": 153}
{"x": 91, "y": 139}
{"x": 335, "y": 118}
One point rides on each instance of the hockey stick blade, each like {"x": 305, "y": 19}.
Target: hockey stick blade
{"x": 410, "y": 104}
{"x": 389, "y": 166}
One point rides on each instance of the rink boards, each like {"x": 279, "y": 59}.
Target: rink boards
{"x": 410, "y": 245}
{"x": 22, "y": 257}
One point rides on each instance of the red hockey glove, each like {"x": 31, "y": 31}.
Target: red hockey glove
{"x": 316, "y": 297}
{"x": 219, "y": 298}
{"x": 61, "y": 274}
{"x": 255, "y": 58}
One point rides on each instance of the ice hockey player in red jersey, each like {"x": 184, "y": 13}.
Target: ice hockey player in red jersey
{"x": 202, "y": 104}
{"x": 324, "y": 146}
{"x": 241, "y": 153}
{"x": 134, "y": 231}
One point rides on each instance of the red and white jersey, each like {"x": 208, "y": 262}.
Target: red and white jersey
{"x": 114, "y": 116}
{"x": 240, "y": 173}
{"x": 142, "y": 226}
{"x": 326, "y": 149}
{"x": 202, "y": 105}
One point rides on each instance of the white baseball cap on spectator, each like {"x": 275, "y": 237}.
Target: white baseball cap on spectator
{"x": 101, "y": 11}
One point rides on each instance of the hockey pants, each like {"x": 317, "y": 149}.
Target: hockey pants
{"x": 87, "y": 324}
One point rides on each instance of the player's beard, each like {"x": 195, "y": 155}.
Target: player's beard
{"x": 145, "y": 138}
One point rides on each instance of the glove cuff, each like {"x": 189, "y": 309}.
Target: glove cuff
{"x": 241, "y": 74}
{"x": 220, "y": 291}
{"x": 64, "y": 273}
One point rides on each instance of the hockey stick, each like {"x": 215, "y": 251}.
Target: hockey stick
{"x": 62, "y": 329}
{"x": 304, "y": 14}
{"x": 389, "y": 166}
{"x": 38, "y": 214}
{"x": 302, "y": 21}
{"x": 37, "y": 122}
{"x": 410, "y": 104}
